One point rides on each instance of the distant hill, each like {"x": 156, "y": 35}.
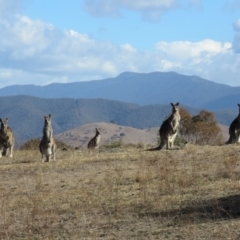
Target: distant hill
{"x": 25, "y": 114}
{"x": 142, "y": 89}
{"x": 80, "y": 136}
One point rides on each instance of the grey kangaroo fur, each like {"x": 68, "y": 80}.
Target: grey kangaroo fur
{"x": 169, "y": 128}
{"x": 94, "y": 142}
{"x": 234, "y": 130}
{"x": 7, "y": 139}
{"x": 47, "y": 145}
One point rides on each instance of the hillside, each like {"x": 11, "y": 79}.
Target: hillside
{"x": 130, "y": 193}
{"x": 79, "y": 137}
{"x": 142, "y": 89}
{"x": 26, "y": 113}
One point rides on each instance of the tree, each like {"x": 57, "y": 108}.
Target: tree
{"x": 185, "y": 124}
{"x": 200, "y": 129}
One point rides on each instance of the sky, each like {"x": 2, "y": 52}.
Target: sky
{"x": 62, "y": 41}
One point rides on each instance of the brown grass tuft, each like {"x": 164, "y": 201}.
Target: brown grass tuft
{"x": 127, "y": 193}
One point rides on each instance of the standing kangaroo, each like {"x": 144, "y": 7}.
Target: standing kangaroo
{"x": 47, "y": 145}
{"x": 234, "y": 130}
{"x": 7, "y": 139}
{"x": 169, "y": 128}
{"x": 94, "y": 142}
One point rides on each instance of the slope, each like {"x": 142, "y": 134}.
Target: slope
{"x": 79, "y": 137}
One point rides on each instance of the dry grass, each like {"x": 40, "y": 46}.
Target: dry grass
{"x": 129, "y": 193}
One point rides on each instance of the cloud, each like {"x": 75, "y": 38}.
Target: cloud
{"x": 34, "y": 52}
{"x": 232, "y": 5}
{"x": 236, "y": 25}
{"x": 9, "y": 8}
{"x": 236, "y": 40}
{"x": 208, "y": 59}
{"x": 24, "y": 37}
{"x": 34, "y": 48}
{"x": 183, "y": 50}
{"x": 149, "y": 9}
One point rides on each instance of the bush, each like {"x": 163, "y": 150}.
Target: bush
{"x": 200, "y": 129}
{"x": 33, "y": 144}
{"x": 179, "y": 141}
{"x": 114, "y": 144}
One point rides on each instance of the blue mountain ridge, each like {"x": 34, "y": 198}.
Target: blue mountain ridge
{"x": 140, "y": 88}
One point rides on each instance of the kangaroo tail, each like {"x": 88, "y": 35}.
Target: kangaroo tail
{"x": 4, "y": 153}
{"x": 230, "y": 140}
{"x": 161, "y": 145}
{"x": 154, "y": 149}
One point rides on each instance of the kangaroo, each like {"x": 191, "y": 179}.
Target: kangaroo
{"x": 169, "y": 128}
{"x": 7, "y": 139}
{"x": 234, "y": 130}
{"x": 47, "y": 145}
{"x": 94, "y": 142}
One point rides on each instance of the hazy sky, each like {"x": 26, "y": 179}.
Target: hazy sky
{"x": 46, "y": 41}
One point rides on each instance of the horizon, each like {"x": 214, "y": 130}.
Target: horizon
{"x": 32, "y": 84}
{"x": 44, "y": 42}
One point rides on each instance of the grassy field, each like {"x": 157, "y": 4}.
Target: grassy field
{"x": 122, "y": 193}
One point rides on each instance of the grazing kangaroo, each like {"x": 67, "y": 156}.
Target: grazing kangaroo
{"x": 7, "y": 139}
{"x": 234, "y": 130}
{"x": 47, "y": 145}
{"x": 169, "y": 128}
{"x": 94, "y": 142}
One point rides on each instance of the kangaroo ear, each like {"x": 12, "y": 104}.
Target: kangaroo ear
{"x": 177, "y": 103}
{"x": 172, "y": 104}
{"x": 49, "y": 115}
{"x": 238, "y": 104}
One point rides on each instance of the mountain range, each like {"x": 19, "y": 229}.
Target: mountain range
{"x": 138, "y": 100}
{"x": 142, "y": 89}
{"x": 25, "y": 114}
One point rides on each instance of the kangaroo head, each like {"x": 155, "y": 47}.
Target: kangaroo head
{"x": 97, "y": 131}
{"x": 4, "y": 122}
{"x": 47, "y": 120}
{"x": 175, "y": 107}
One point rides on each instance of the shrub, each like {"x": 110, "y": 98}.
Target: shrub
{"x": 33, "y": 144}
{"x": 200, "y": 129}
{"x": 114, "y": 144}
